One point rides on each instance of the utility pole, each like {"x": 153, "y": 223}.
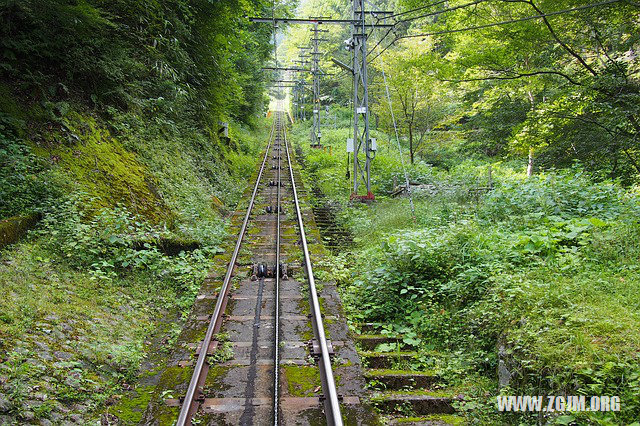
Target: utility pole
{"x": 296, "y": 102}
{"x": 316, "y": 133}
{"x": 361, "y": 139}
{"x": 302, "y": 62}
{"x": 362, "y": 146}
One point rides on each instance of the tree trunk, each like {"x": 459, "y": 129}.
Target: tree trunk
{"x": 411, "y": 143}
{"x": 530, "y": 165}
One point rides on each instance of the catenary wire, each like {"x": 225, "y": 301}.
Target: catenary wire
{"x": 494, "y": 24}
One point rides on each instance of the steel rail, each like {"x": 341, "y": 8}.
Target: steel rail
{"x": 188, "y": 408}
{"x": 276, "y": 356}
{"x": 332, "y": 405}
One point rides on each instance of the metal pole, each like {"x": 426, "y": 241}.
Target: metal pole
{"x": 316, "y": 133}
{"x": 361, "y": 139}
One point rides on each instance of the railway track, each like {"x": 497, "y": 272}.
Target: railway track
{"x": 255, "y": 349}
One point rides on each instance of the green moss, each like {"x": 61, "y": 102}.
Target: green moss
{"x": 130, "y": 408}
{"x": 213, "y": 383}
{"x": 108, "y": 323}
{"x": 302, "y": 380}
{"x": 394, "y": 354}
{"x": 317, "y": 249}
{"x": 438, "y": 393}
{"x": 194, "y": 334}
{"x": 97, "y": 164}
{"x": 389, "y": 371}
{"x": 371, "y": 336}
{"x": 254, "y": 230}
{"x": 174, "y": 376}
{"x": 8, "y": 105}
{"x": 289, "y": 232}
{"x": 224, "y": 258}
{"x": 165, "y": 415}
{"x": 448, "y": 419}
{"x": 216, "y": 371}
{"x": 12, "y": 229}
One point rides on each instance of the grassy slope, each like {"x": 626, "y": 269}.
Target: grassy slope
{"x": 545, "y": 269}
{"x": 84, "y": 300}
{"x": 71, "y": 341}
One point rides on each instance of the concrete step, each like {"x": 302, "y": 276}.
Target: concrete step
{"x": 366, "y": 327}
{"x": 431, "y": 420}
{"x": 418, "y": 403}
{"x": 388, "y": 360}
{"x": 400, "y": 379}
{"x": 369, "y": 342}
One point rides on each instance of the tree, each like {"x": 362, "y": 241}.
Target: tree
{"x": 419, "y": 100}
{"x": 577, "y": 69}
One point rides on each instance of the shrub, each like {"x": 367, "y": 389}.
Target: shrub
{"x": 114, "y": 242}
{"x": 24, "y": 186}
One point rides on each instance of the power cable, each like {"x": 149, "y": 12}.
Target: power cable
{"x": 379, "y": 41}
{"x": 450, "y": 9}
{"x": 395, "y": 128}
{"x": 417, "y": 9}
{"x": 383, "y": 50}
{"x": 495, "y": 24}
{"x": 511, "y": 21}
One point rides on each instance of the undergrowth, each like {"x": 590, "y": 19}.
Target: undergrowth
{"x": 540, "y": 273}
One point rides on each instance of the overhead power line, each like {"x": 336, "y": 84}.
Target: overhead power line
{"x": 438, "y": 12}
{"x": 379, "y": 41}
{"x": 418, "y": 9}
{"x": 495, "y": 24}
{"x": 316, "y": 21}
{"x": 462, "y": 6}
{"x": 450, "y": 9}
{"x": 511, "y": 21}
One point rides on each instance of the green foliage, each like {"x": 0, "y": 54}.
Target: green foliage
{"x": 420, "y": 104}
{"x": 124, "y": 102}
{"x": 71, "y": 337}
{"x": 224, "y": 350}
{"x": 555, "y": 194}
{"x": 22, "y": 188}
{"x": 536, "y": 85}
{"x": 172, "y": 58}
{"x": 565, "y": 87}
{"x": 545, "y": 267}
{"x": 109, "y": 127}
{"x": 114, "y": 242}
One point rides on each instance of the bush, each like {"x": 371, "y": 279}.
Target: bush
{"x": 115, "y": 242}
{"x": 556, "y": 194}
{"x": 24, "y": 186}
{"x": 545, "y": 267}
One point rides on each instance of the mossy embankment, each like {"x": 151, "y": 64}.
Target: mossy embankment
{"x": 112, "y": 133}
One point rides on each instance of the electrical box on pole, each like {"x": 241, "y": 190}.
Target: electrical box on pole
{"x": 362, "y": 154}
